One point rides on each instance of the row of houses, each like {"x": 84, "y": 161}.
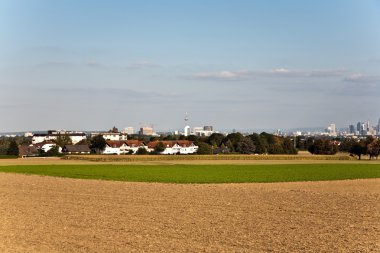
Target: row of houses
{"x": 131, "y": 146}
{"x": 114, "y": 147}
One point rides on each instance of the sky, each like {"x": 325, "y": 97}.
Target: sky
{"x": 92, "y": 65}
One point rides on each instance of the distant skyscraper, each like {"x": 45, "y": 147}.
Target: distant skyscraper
{"x": 332, "y": 130}
{"x": 146, "y": 130}
{"x": 186, "y": 131}
{"x": 378, "y": 126}
{"x": 358, "y": 127}
{"x": 129, "y": 130}
{"x": 351, "y": 129}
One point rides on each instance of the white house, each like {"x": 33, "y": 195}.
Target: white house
{"x": 175, "y": 147}
{"x": 46, "y": 146}
{"x": 123, "y": 147}
{"x": 113, "y": 148}
{"x": 53, "y": 135}
{"x": 132, "y": 145}
{"x": 111, "y": 136}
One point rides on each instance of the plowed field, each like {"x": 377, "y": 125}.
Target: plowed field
{"x": 46, "y": 214}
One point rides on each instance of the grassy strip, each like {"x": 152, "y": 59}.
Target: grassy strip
{"x": 8, "y": 157}
{"x": 137, "y": 158}
{"x": 205, "y": 173}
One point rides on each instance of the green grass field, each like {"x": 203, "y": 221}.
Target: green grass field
{"x": 204, "y": 173}
{"x": 8, "y": 156}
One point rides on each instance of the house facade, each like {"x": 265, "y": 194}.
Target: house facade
{"x": 123, "y": 147}
{"x": 76, "y": 149}
{"x": 174, "y": 147}
{"x": 54, "y": 135}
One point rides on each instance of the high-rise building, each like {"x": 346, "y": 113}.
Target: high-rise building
{"x": 129, "y": 130}
{"x": 186, "y": 131}
{"x": 378, "y": 126}
{"x": 208, "y": 128}
{"x": 358, "y": 127}
{"x": 146, "y": 131}
{"x": 351, "y": 129}
{"x": 331, "y": 130}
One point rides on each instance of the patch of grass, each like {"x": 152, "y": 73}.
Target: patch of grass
{"x": 204, "y": 173}
{"x": 8, "y": 157}
{"x": 139, "y": 158}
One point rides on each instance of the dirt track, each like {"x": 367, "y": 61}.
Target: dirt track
{"x": 45, "y": 214}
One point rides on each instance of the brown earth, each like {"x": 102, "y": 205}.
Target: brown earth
{"x": 46, "y": 214}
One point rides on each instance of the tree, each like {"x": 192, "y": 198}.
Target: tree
{"x": 54, "y": 151}
{"x": 358, "y": 149}
{"x": 204, "y": 148}
{"x": 141, "y": 151}
{"x": 98, "y": 144}
{"x": 373, "y": 149}
{"x": 245, "y": 146}
{"x": 260, "y": 149}
{"x": 288, "y": 146}
{"x": 84, "y": 142}
{"x": 13, "y": 148}
{"x": 63, "y": 139}
{"x": 160, "y": 147}
{"x": 215, "y": 139}
{"x": 323, "y": 147}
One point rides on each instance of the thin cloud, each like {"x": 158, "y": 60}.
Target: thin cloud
{"x": 362, "y": 78}
{"x": 95, "y": 64}
{"x": 225, "y": 75}
{"x": 54, "y": 64}
{"x": 284, "y": 72}
{"x": 142, "y": 65}
{"x": 236, "y": 75}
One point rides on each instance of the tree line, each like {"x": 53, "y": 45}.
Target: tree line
{"x": 356, "y": 147}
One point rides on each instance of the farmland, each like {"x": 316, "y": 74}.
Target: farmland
{"x": 180, "y": 173}
{"x": 189, "y": 205}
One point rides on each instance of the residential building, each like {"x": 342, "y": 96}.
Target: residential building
{"x": 203, "y": 131}
{"x": 25, "y": 151}
{"x": 76, "y": 149}
{"x": 175, "y": 147}
{"x": 53, "y": 135}
{"x": 112, "y": 135}
{"x": 45, "y": 146}
{"x": 123, "y": 147}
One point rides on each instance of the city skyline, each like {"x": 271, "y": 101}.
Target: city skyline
{"x": 235, "y": 65}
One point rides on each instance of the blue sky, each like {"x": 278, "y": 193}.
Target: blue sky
{"x": 89, "y": 65}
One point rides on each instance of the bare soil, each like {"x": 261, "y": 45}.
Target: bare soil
{"x": 46, "y": 214}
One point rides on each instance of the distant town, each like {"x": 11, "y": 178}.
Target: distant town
{"x": 189, "y": 140}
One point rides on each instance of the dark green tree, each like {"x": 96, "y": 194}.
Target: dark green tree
{"x": 160, "y": 147}
{"x": 142, "y": 151}
{"x": 245, "y": 146}
{"x": 373, "y": 149}
{"x": 358, "y": 149}
{"x": 204, "y": 148}
{"x": 323, "y": 147}
{"x": 13, "y": 148}
{"x": 98, "y": 144}
{"x": 63, "y": 139}
{"x": 215, "y": 139}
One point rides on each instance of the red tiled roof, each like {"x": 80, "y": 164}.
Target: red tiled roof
{"x": 170, "y": 144}
{"x": 134, "y": 143}
{"x": 115, "y": 144}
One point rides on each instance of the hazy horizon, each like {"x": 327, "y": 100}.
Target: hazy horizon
{"x": 85, "y": 65}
